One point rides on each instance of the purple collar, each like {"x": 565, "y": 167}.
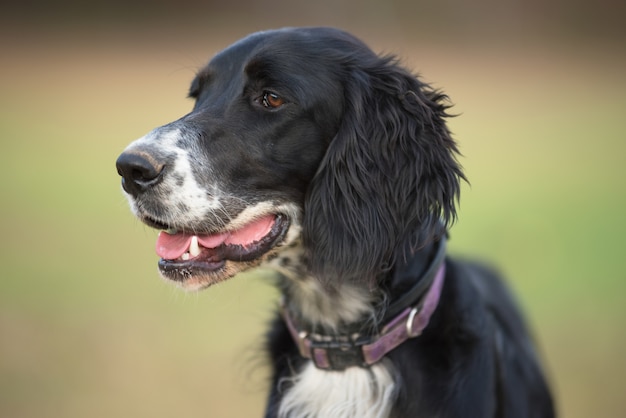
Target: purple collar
{"x": 338, "y": 353}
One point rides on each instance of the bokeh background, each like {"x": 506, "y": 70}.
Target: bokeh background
{"x": 88, "y": 329}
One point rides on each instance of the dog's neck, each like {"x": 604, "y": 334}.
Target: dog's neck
{"x": 322, "y": 309}
{"x": 345, "y": 308}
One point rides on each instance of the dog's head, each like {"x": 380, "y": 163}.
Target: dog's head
{"x": 298, "y": 137}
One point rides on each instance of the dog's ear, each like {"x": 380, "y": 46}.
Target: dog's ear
{"x": 389, "y": 179}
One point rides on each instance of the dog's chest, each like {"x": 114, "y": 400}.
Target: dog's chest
{"x": 353, "y": 393}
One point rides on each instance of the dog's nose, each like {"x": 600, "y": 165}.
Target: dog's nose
{"x": 139, "y": 171}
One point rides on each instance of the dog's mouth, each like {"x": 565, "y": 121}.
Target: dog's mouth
{"x": 199, "y": 260}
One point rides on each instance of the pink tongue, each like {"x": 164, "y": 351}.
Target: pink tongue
{"x": 171, "y": 247}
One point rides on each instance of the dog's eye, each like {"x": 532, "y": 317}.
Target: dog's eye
{"x": 272, "y": 100}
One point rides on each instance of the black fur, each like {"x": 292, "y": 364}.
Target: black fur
{"x": 388, "y": 175}
{"x": 387, "y": 181}
{"x": 361, "y": 146}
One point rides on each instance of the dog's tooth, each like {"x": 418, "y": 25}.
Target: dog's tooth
{"x": 185, "y": 256}
{"x": 194, "y": 248}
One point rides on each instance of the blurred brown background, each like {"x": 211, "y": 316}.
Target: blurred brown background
{"x": 88, "y": 329}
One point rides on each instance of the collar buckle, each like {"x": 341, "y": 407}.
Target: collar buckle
{"x": 337, "y": 354}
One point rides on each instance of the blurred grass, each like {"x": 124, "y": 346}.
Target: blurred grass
{"x": 87, "y": 329}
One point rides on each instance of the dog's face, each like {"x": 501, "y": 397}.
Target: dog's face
{"x": 226, "y": 182}
{"x": 298, "y": 137}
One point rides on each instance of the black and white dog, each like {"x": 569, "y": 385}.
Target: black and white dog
{"x": 308, "y": 153}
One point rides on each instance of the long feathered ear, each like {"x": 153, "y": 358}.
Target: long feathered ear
{"x": 389, "y": 179}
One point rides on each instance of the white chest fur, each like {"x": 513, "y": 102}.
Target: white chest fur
{"x": 353, "y": 393}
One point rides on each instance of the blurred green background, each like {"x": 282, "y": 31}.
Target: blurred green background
{"x": 88, "y": 329}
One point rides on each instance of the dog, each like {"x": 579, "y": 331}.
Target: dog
{"x": 308, "y": 153}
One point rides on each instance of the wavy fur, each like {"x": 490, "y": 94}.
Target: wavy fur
{"x": 389, "y": 173}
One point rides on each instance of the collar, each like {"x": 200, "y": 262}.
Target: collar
{"x": 416, "y": 307}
